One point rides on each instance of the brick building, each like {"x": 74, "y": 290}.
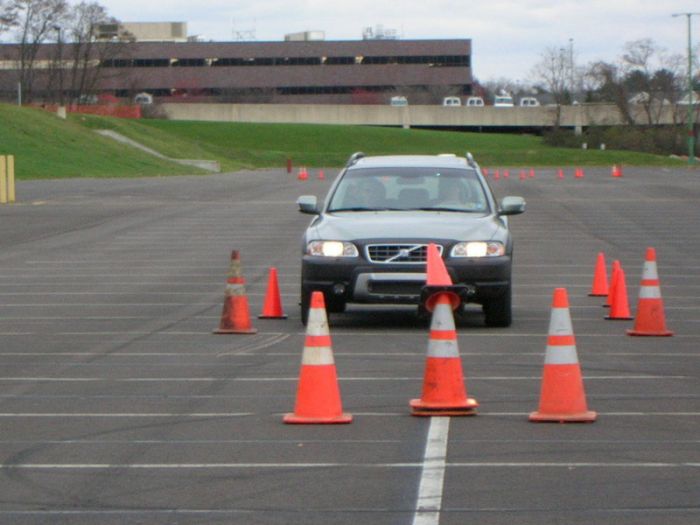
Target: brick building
{"x": 315, "y": 71}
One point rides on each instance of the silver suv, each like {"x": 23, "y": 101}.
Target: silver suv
{"x": 368, "y": 242}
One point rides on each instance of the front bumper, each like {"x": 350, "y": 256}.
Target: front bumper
{"x": 356, "y": 281}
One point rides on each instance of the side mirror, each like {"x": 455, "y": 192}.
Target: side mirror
{"x": 308, "y": 204}
{"x": 512, "y": 206}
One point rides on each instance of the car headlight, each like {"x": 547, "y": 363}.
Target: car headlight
{"x": 331, "y": 249}
{"x": 478, "y": 249}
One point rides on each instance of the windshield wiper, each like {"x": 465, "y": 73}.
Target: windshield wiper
{"x": 363, "y": 208}
{"x": 351, "y": 208}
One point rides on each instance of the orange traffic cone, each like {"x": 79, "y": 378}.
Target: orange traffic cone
{"x": 506, "y": 174}
{"x": 600, "y": 278}
{"x": 650, "y": 319}
{"x": 532, "y": 173}
{"x": 562, "y": 397}
{"x": 303, "y": 174}
{"x": 321, "y": 175}
{"x": 485, "y": 172}
{"x": 272, "y": 309}
{"x": 496, "y": 174}
{"x": 560, "y": 173}
{"x": 235, "y": 317}
{"x": 318, "y": 395}
{"x": 619, "y": 306}
{"x": 579, "y": 173}
{"x": 444, "y": 393}
{"x": 523, "y": 175}
{"x": 616, "y": 171}
{"x": 611, "y": 288}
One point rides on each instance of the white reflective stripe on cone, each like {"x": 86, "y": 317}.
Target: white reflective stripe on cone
{"x": 234, "y": 289}
{"x": 560, "y": 322}
{"x": 442, "y": 318}
{"x": 650, "y": 292}
{"x": 649, "y": 271}
{"x": 317, "y": 356}
{"x": 443, "y": 348}
{"x": 561, "y": 355}
{"x": 317, "y": 323}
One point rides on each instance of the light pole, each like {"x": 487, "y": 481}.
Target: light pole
{"x": 571, "y": 66}
{"x": 60, "y": 65}
{"x": 691, "y": 98}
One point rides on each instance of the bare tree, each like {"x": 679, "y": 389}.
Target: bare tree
{"x": 554, "y": 72}
{"x": 8, "y": 15}
{"x": 86, "y": 51}
{"x": 34, "y": 21}
{"x": 652, "y": 76}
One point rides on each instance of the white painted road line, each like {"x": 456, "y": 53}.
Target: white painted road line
{"x": 277, "y": 379}
{"x": 429, "y": 501}
{"x": 333, "y": 465}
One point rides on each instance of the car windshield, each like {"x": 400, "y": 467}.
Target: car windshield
{"x": 402, "y": 188}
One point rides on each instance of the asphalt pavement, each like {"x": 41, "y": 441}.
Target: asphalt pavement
{"x": 119, "y": 405}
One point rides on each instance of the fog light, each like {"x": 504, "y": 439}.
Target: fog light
{"x": 338, "y": 288}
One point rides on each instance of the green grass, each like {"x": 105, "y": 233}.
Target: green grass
{"x": 45, "y": 146}
{"x": 245, "y": 145}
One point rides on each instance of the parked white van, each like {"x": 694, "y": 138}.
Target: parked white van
{"x": 503, "y": 101}
{"x": 143, "y": 98}
{"x": 529, "y": 102}
{"x": 451, "y": 101}
{"x": 475, "y": 102}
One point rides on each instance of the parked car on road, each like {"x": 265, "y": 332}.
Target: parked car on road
{"x": 398, "y": 101}
{"x": 529, "y": 102}
{"x": 451, "y": 101}
{"x": 503, "y": 101}
{"x": 475, "y": 102}
{"x": 367, "y": 242}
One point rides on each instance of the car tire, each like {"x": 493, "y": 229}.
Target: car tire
{"x": 498, "y": 312}
{"x": 304, "y": 305}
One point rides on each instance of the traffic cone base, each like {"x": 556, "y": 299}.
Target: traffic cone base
{"x": 235, "y": 317}
{"x": 563, "y": 398}
{"x": 311, "y": 408}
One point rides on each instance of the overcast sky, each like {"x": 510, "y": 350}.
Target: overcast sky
{"x": 508, "y": 36}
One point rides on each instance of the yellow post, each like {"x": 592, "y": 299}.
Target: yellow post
{"x": 11, "y": 178}
{"x": 3, "y": 181}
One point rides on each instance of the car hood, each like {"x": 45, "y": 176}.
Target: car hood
{"x": 407, "y": 225}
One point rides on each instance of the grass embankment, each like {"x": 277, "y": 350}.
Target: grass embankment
{"x": 245, "y": 145}
{"x": 45, "y": 146}
{"x": 48, "y": 147}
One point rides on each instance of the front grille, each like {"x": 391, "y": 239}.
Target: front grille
{"x": 399, "y": 253}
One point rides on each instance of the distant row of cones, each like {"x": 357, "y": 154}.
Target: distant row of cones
{"x": 304, "y": 174}
{"x": 650, "y": 319}
{"x": 579, "y": 173}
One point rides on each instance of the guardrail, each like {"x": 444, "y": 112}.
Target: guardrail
{"x": 7, "y": 179}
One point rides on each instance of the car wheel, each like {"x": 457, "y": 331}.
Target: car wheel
{"x": 498, "y": 312}
{"x": 305, "y": 304}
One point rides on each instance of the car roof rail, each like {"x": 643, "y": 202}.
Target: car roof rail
{"x": 354, "y": 158}
{"x": 470, "y": 160}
